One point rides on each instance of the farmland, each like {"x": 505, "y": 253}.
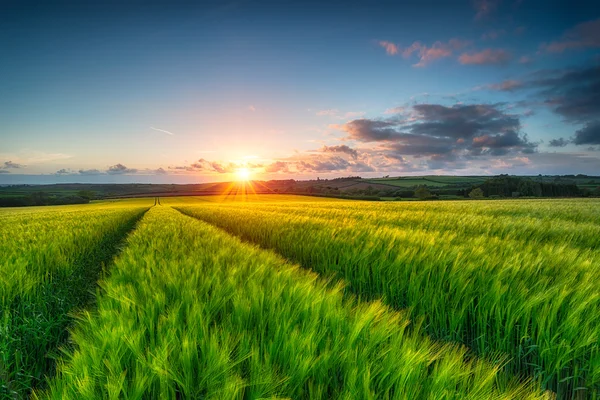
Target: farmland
{"x": 277, "y": 296}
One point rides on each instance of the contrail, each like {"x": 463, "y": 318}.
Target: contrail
{"x": 162, "y": 130}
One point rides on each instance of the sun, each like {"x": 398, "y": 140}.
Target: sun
{"x": 243, "y": 174}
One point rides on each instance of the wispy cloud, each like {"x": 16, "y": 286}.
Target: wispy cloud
{"x": 162, "y": 130}
{"x": 426, "y": 53}
{"x": 390, "y": 48}
{"x": 486, "y": 57}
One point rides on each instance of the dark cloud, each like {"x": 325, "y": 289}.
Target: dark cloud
{"x": 502, "y": 143}
{"x": 590, "y": 134}
{"x": 12, "y": 165}
{"x": 446, "y": 134}
{"x": 560, "y": 142}
{"x": 120, "y": 169}
{"x": 3, "y": 171}
{"x": 340, "y": 149}
{"x": 584, "y": 35}
{"x": 62, "y": 172}
{"x": 160, "y": 171}
{"x": 368, "y": 130}
{"x": 572, "y": 93}
{"x": 89, "y": 172}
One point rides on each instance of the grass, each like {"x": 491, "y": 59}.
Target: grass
{"x": 51, "y": 258}
{"x": 405, "y": 300}
{"x": 514, "y": 277}
{"x": 190, "y": 312}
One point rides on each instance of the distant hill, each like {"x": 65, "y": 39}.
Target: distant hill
{"x": 440, "y": 186}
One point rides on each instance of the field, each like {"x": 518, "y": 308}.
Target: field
{"x": 277, "y": 296}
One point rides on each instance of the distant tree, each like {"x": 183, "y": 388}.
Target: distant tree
{"x": 476, "y": 193}
{"x": 422, "y": 193}
{"x": 86, "y": 194}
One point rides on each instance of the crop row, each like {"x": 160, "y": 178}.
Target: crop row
{"x": 51, "y": 258}
{"x": 189, "y": 311}
{"x": 530, "y": 296}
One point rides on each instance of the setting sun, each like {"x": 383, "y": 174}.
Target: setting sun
{"x": 243, "y": 174}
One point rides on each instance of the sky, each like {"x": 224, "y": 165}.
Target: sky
{"x": 185, "y": 92}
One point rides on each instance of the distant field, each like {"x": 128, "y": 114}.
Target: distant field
{"x": 277, "y": 296}
{"x": 432, "y": 181}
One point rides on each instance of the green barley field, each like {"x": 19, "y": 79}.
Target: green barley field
{"x": 291, "y": 297}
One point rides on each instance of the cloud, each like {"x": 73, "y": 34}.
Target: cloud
{"x": 560, "y": 142}
{"x": 506, "y": 86}
{"x": 90, "y": 172}
{"x": 277, "y": 166}
{"x": 590, "y": 134}
{"x": 395, "y": 110}
{"x": 306, "y": 163}
{"x": 340, "y": 149}
{"x": 426, "y": 54}
{"x": 573, "y": 94}
{"x": 368, "y": 130}
{"x": 3, "y": 171}
{"x": 390, "y": 48}
{"x": 63, "y": 172}
{"x": 120, "y": 169}
{"x": 251, "y": 108}
{"x": 12, "y": 165}
{"x": 484, "y": 8}
{"x": 486, "y": 57}
{"x": 445, "y": 134}
{"x": 210, "y": 166}
{"x": 326, "y": 165}
{"x": 162, "y": 130}
{"x": 582, "y": 36}
{"x": 160, "y": 171}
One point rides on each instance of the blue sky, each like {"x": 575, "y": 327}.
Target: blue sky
{"x": 184, "y": 92}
